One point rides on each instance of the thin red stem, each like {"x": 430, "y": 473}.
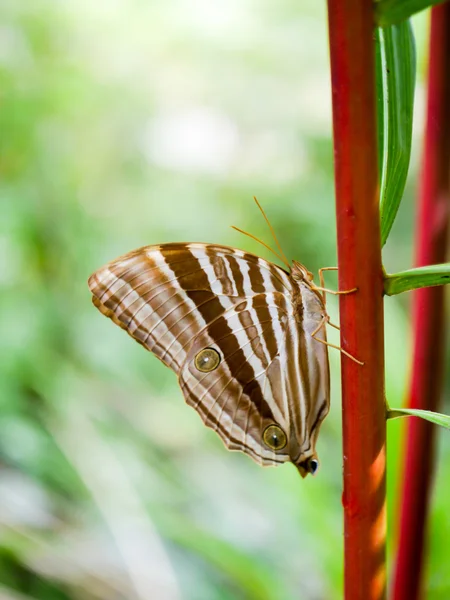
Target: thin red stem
{"x": 359, "y": 253}
{"x": 428, "y": 314}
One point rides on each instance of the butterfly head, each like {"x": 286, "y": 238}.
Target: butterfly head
{"x": 300, "y": 273}
{"x": 309, "y": 465}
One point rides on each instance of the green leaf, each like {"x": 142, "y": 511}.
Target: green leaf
{"x": 414, "y": 279}
{"x": 396, "y": 75}
{"x": 389, "y": 12}
{"x": 433, "y": 417}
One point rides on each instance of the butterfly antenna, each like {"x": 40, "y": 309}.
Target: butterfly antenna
{"x": 284, "y": 259}
{"x": 260, "y": 241}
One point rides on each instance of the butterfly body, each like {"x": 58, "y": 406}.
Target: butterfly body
{"x": 237, "y": 331}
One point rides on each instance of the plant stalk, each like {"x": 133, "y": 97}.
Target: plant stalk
{"x": 352, "y": 54}
{"x": 428, "y": 315}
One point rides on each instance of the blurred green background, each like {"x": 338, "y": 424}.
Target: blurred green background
{"x": 126, "y": 123}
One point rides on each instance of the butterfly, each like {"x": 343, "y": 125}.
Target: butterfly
{"x": 245, "y": 337}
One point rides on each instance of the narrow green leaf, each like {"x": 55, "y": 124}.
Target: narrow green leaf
{"x": 396, "y": 74}
{"x": 389, "y": 12}
{"x": 433, "y": 417}
{"x": 414, "y": 279}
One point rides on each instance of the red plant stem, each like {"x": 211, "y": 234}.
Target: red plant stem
{"x": 428, "y": 314}
{"x": 361, "y": 313}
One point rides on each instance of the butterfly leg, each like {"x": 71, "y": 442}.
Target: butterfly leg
{"x": 322, "y": 287}
{"x": 321, "y": 277}
{"x": 334, "y": 292}
{"x": 324, "y": 321}
{"x": 324, "y": 290}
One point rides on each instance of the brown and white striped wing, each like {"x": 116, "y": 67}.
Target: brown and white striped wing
{"x": 179, "y": 299}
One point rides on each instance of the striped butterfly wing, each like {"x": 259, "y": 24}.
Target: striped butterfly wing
{"x": 234, "y": 328}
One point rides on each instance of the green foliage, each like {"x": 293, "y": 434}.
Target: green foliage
{"x": 255, "y": 579}
{"x": 396, "y": 74}
{"x": 123, "y": 126}
{"x": 414, "y": 279}
{"x": 428, "y": 415}
{"x": 390, "y": 12}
